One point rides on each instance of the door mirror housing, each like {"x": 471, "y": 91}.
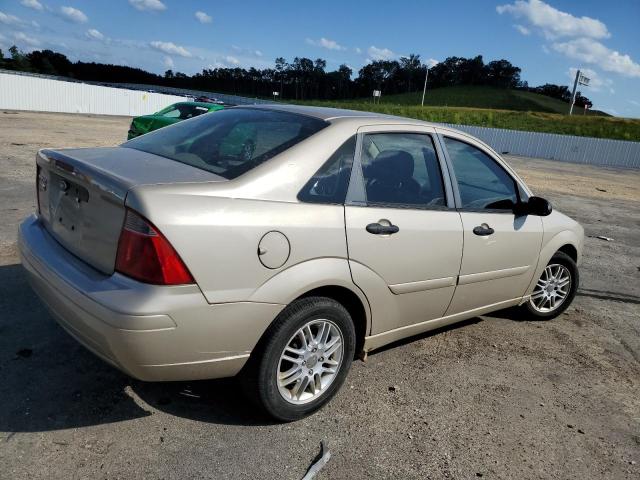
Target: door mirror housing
{"x": 533, "y": 206}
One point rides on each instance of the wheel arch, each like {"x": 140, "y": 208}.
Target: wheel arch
{"x": 349, "y": 300}
{"x": 327, "y": 277}
{"x": 566, "y": 241}
{"x": 570, "y": 250}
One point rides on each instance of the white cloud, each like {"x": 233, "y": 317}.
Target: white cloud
{"x": 94, "y": 34}
{"x": 358, "y": 50}
{"x": 148, "y": 5}
{"x": 171, "y": 48}
{"x": 554, "y": 23}
{"x": 203, "y": 17}
{"x": 247, "y": 52}
{"x": 23, "y": 39}
{"x": 325, "y": 43}
{"x": 225, "y": 62}
{"x": 522, "y": 29}
{"x": 168, "y": 62}
{"x": 595, "y": 53}
{"x": 73, "y": 14}
{"x": 432, "y": 62}
{"x": 633, "y": 102}
{"x": 14, "y": 21}
{"x": 35, "y": 4}
{"x": 376, "y": 53}
{"x": 9, "y": 19}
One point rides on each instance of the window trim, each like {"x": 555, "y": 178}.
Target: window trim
{"x": 519, "y": 186}
{"x": 356, "y": 192}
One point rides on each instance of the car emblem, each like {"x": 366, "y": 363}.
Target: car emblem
{"x": 63, "y": 185}
{"x": 42, "y": 182}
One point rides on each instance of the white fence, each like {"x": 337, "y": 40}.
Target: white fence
{"x": 565, "y": 148}
{"x": 26, "y": 92}
{"x": 41, "y": 93}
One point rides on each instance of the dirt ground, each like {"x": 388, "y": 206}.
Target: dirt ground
{"x": 492, "y": 397}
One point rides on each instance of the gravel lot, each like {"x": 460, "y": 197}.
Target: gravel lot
{"x": 492, "y": 397}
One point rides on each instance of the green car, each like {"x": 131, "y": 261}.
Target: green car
{"x": 172, "y": 114}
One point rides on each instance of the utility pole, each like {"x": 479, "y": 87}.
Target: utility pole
{"x": 573, "y": 94}
{"x": 424, "y": 90}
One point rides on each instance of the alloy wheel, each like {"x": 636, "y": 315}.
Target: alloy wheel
{"x": 552, "y": 288}
{"x": 310, "y": 361}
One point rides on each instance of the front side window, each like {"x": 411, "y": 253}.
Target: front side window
{"x": 330, "y": 183}
{"x": 402, "y": 169}
{"x": 482, "y": 182}
{"x": 231, "y": 142}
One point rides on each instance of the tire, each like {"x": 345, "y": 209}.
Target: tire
{"x": 266, "y": 366}
{"x": 567, "y": 266}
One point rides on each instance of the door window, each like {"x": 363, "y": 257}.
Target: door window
{"x": 329, "y": 184}
{"x": 402, "y": 169}
{"x": 482, "y": 182}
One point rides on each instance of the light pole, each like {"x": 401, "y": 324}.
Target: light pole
{"x": 424, "y": 90}
{"x": 580, "y": 80}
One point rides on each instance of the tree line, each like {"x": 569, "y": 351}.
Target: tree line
{"x": 301, "y": 79}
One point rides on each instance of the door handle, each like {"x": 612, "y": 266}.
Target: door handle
{"x": 379, "y": 229}
{"x": 483, "y": 230}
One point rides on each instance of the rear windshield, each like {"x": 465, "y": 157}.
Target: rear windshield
{"x": 229, "y": 142}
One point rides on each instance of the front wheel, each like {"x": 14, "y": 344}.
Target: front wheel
{"x": 555, "y": 289}
{"x": 304, "y": 358}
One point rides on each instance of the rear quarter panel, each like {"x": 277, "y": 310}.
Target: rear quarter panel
{"x": 218, "y": 237}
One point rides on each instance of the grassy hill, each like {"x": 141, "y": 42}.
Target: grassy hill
{"x": 497, "y": 108}
{"x": 485, "y": 97}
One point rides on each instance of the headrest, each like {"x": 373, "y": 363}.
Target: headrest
{"x": 392, "y": 165}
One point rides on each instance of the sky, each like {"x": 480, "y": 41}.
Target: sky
{"x": 547, "y": 40}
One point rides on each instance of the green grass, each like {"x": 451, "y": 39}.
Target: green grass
{"x": 485, "y": 97}
{"x": 498, "y": 109}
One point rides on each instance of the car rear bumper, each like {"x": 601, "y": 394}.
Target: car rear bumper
{"x": 153, "y": 333}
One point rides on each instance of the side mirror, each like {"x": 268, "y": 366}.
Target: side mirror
{"x": 534, "y": 206}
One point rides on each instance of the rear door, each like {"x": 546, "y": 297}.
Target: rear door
{"x": 402, "y": 230}
{"x": 501, "y": 249}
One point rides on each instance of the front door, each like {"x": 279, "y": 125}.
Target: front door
{"x": 404, "y": 236}
{"x": 501, "y": 249}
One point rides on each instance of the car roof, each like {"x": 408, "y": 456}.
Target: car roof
{"x": 333, "y": 114}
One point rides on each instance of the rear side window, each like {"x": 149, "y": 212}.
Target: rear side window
{"x": 231, "y": 142}
{"x": 330, "y": 183}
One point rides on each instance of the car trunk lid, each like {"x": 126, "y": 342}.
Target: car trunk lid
{"x": 82, "y": 192}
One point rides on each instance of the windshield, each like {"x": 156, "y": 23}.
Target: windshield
{"x": 231, "y": 142}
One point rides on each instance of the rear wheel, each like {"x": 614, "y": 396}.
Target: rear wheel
{"x": 304, "y": 358}
{"x": 555, "y": 289}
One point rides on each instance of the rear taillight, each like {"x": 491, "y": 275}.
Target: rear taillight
{"x": 146, "y": 255}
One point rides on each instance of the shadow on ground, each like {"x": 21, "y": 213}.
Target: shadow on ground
{"x": 50, "y": 382}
